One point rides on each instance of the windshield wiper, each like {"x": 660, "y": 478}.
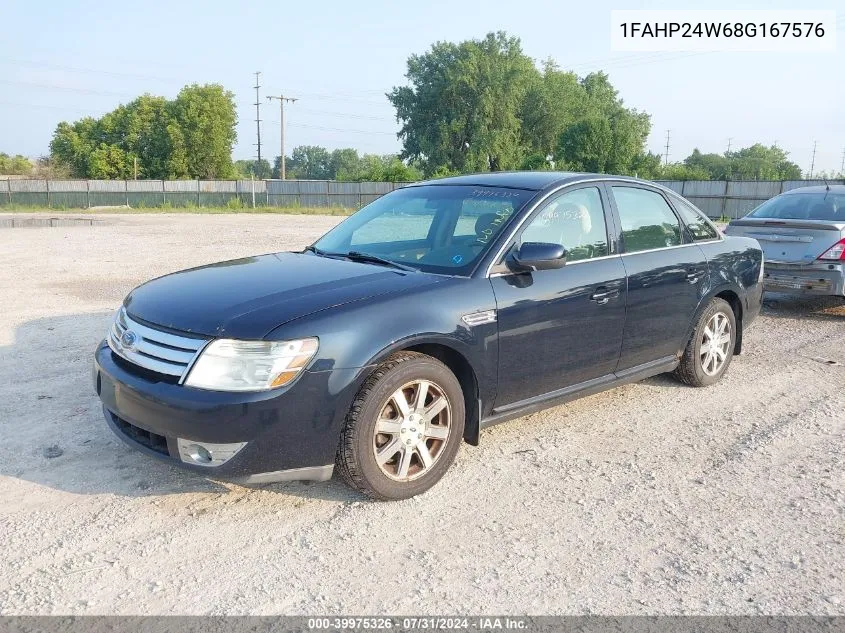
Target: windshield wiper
{"x": 358, "y": 256}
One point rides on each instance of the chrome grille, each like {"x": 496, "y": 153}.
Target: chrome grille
{"x": 158, "y": 351}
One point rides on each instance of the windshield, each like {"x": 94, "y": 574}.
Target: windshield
{"x": 803, "y": 206}
{"x": 434, "y": 228}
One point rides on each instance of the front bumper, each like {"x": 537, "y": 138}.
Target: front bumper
{"x": 280, "y": 435}
{"x": 813, "y": 279}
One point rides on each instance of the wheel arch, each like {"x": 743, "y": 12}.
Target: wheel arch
{"x": 734, "y": 301}
{"x": 729, "y": 293}
{"x": 458, "y": 364}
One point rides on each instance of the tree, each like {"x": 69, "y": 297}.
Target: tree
{"x": 462, "y": 109}
{"x": 345, "y": 164}
{"x": 15, "y": 165}
{"x": 109, "y": 162}
{"x": 307, "y": 162}
{"x": 716, "y": 166}
{"x": 206, "y": 117}
{"x": 189, "y": 137}
{"x": 681, "y": 171}
{"x": 586, "y": 145}
{"x": 246, "y": 169}
{"x": 608, "y": 138}
{"x": 762, "y": 163}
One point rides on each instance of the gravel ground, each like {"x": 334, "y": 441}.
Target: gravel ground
{"x": 654, "y": 498}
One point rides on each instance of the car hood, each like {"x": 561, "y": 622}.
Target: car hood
{"x": 247, "y": 298}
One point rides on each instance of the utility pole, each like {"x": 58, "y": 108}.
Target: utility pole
{"x": 813, "y": 161}
{"x": 258, "y": 114}
{"x": 666, "y": 160}
{"x": 842, "y": 166}
{"x": 730, "y": 138}
{"x": 282, "y": 99}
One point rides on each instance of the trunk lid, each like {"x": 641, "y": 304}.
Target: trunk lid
{"x": 789, "y": 241}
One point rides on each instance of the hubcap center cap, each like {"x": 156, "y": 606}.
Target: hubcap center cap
{"x": 412, "y": 430}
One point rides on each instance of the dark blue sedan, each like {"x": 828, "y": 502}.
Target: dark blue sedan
{"x": 436, "y": 311}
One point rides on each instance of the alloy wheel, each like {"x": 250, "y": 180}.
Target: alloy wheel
{"x": 715, "y": 343}
{"x": 412, "y": 430}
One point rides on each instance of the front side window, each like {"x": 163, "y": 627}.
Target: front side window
{"x": 803, "y": 206}
{"x": 575, "y": 220}
{"x": 699, "y": 227}
{"x": 435, "y": 228}
{"x": 648, "y": 221}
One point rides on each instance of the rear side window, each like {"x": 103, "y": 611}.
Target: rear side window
{"x": 648, "y": 221}
{"x": 699, "y": 227}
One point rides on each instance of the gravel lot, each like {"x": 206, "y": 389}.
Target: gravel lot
{"x": 650, "y": 499}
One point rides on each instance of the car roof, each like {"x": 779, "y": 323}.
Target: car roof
{"x": 529, "y": 180}
{"x": 815, "y": 189}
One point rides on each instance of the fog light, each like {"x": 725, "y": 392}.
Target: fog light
{"x": 205, "y": 453}
{"x": 199, "y": 454}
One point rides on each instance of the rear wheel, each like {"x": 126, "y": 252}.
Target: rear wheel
{"x": 711, "y": 347}
{"x": 404, "y": 428}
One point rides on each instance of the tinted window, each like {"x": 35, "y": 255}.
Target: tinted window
{"x": 699, "y": 227}
{"x": 575, "y": 220}
{"x": 437, "y": 228}
{"x": 803, "y": 206}
{"x": 647, "y": 219}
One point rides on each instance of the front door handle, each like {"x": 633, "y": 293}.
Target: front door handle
{"x": 602, "y": 295}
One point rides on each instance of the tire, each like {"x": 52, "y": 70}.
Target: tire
{"x": 424, "y": 448}
{"x": 697, "y": 368}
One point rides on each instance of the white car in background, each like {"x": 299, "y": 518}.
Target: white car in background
{"x": 802, "y": 233}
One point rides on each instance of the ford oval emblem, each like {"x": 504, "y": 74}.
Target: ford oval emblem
{"x": 128, "y": 339}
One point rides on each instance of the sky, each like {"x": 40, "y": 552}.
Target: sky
{"x": 65, "y": 60}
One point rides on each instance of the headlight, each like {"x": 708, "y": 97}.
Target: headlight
{"x": 230, "y": 365}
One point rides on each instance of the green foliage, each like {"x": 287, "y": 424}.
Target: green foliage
{"x": 246, "y": 169}
{"x": 234, "y": 203}
{"x": 762, "y": 163}
{"x": 15, "y": 165}
{"x": 307, "y": 162}
{"x": 482, "y": 105}
{"x": 750, "y": 163}
{"x": 189, "y": 137}
{"x": 463, "y": 108}
{"x": 681, "y": 171}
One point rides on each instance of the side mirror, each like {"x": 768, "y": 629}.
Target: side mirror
{"x": 538, "y": 256}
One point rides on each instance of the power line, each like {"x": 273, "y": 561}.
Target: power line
{"x": 331, "y": 129}
{"x": 258, "y": 114}
{"x": 282, "y": 100}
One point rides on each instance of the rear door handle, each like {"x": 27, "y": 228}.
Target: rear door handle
{"x": 602, "y": 295}
{"x": 694, "y": 276}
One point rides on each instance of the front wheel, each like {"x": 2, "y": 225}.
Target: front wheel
{"x": 404, "y": 428}
{"x": 711, "y": 347}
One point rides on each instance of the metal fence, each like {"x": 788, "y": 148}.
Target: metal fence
{"x": 83, "y": 194}
{"x": 717, "y": 198}
{"x": 735, "y": 198}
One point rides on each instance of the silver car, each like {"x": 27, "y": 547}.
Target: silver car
{"x": 802, "y": 233}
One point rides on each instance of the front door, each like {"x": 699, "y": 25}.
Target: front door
{"x": 666, "y": 276}
{"x": 561, "y": 327}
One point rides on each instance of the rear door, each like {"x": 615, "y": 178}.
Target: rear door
{"x": 667, "y": 273}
